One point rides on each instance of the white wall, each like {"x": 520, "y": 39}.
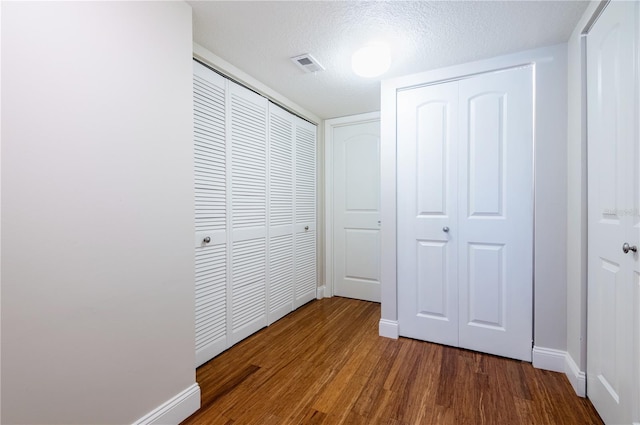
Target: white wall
{"x": 550, "y": 318}
{"x": 97, "y": 210}
{"x": 550, "y": 186}
{"x": 577, "y": 200}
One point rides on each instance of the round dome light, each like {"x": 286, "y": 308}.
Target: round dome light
{"x": 372, "y": 60}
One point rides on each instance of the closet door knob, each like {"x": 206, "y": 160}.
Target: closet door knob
{"x": 445, "y": 229}
{"x": 306, "y": 228}
{"x": 626, "y": 248}
{"x": 206, "y": 239}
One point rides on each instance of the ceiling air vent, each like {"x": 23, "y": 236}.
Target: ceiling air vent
{"x": 307, "y": 63}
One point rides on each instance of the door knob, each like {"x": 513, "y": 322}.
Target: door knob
{"x": 445, "y": 229}
{"x": 306, "y": 228}
{"x": 206, "y": 239}
{"x": 626, "y": 248}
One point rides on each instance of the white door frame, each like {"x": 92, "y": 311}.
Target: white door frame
{"x": 549, "y": 273}
{"x": 329, "y": 125}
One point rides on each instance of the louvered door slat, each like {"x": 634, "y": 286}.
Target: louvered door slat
{"x": 281, "y": 169}
{"x": 280, "y": 276}
{"x": 210, "y": 212}
{"x": 305, "y": 212}
{"x": 211, "y": 303}
{"x": 248, "y": 138}
{"x": 209, "y": 150}
{"x": 281, "y": 212}
{"x": 306, "y": 262}
{"x": 248, "y": 293}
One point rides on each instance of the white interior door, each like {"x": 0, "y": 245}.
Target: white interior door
{"x": 465, "y": 213}
{"x": 305, "y": 274}
{"x": 209, "y": 94}
{"x": 495, "y": 213}
{"x": 281, "y": 207}
{"x": 356, "y": 211}
{"x": 613, "y": 192}
{"x": 427, "y": 213}
{"x": 248, "y": 198}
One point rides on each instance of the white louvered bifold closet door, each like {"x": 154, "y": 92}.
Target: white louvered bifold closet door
{"x": 281, "y": 188}
{"x": 305, "y": 212}
{"x": 210, "y": 213}
{"x": 248, "y": 158}
{"x": 255, "y": 212}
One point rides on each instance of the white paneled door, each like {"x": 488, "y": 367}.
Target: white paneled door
{"x": 495, "y": 213}
{"x": 428, "y": 213}
{"x": 356, "y": 210}
{"x": 465, "y": 213}
{"x": 614, "y": 198}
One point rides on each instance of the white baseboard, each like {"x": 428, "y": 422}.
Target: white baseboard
{"x": 320, "y": 292}
{"x": 549, "y": 359}
{"x": 561, "y": 361}
{"x": 576, "y": 376}
{"x": 388, "y": 328}
{"x": 175, "y": 410}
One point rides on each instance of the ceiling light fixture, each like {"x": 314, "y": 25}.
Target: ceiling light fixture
{"x": 372, "y": 60}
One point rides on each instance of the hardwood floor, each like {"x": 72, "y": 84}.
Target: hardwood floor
{"x": 326, "y": 364}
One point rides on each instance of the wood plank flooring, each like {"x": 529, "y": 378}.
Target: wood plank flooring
{"x": 326, "y": 364}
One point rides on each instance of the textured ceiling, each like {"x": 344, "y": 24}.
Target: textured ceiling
{"x": 260, "y": 37}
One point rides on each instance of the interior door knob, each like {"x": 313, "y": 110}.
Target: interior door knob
{"x": 206, "y": 239}
{"x": 306, "y": 228}
{"x": 626, "y": 248}
{"x": 445, "y": 229}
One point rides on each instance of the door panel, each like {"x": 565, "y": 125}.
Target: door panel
{"x": 487, "y": 304}
{"x": 361, "y": 253}
{"x": 486, "y": 132}
{"x": 427, "y": 189}
{"x": 305, "y": 267}
{"x": 360, "y": 153}
{"x": 248, "y": 301}
{"x": 495, "y": 220}
{"x": 432, "y": 164}
{"x": 612, "y": 208}
{"x": 306, "y": 282}
{"x": 248, "y": 151}
{"x": 356, "y": 199}
{"x": 281, "y": 211}
{"x": 432, "y": 280}
{"x": 280, "y": 276}
{"x": 210, "y": 180}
